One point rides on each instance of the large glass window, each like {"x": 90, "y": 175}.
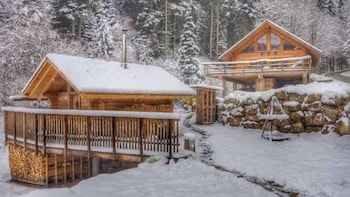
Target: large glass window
{"x": 262, "y": 43}
{"x": 275, "y": 42}
{"x": 288, "y": 46}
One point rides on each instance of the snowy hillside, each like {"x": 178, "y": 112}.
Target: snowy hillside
{"x": 170, "y": 33}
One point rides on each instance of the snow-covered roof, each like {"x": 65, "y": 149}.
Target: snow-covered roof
{"x": 317, "y": 50}
{"x": 99, "y": 76}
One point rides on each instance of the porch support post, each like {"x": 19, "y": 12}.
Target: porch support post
{"x": 223, "y": 87}
{"x": 260, "y": 83}
{"x": 305, "y": 78}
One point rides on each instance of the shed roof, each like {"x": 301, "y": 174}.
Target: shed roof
{"x": 89, "y": 75}
{"x": 313, "y": 49}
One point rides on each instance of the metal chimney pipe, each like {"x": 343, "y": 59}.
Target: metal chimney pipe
{"x": 124, "y": 50}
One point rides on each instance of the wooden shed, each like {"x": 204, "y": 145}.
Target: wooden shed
{"x": 101, "y": 114}
{"x": 70, "y": 82}
{"x": 206, "y": 111}
{"x": 268, "y": 57}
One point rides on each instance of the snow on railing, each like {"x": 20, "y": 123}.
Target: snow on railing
{"x": 261, "y": 65}
{"x": 75, "y": 112}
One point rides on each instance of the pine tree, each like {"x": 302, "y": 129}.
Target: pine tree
{"x": 26, "y": 38}
{"x": 69, "y": 16}
{"x": 148, "y": 24}
{"x": 98, "y": 35}
{"x": 189, "y": 49}
{"x": 328, "y": 6}
{"x": 240, "y": 18}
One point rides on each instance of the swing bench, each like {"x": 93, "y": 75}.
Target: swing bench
{"x": 268, "y": 120}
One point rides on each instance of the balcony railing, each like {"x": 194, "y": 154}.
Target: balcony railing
{"x": 217, "y": 69}
{"x": 136, "y": 133}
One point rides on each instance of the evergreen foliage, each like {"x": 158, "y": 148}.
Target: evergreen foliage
{"x": 98, "y": 35}
{"x": 189, "y": 49}
{"x": 69, "y": 16}
{"x": 239, "y": 12}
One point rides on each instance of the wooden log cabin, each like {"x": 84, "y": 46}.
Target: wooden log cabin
{"x": 268, "y": 57}
{"x": 101, "y": 116}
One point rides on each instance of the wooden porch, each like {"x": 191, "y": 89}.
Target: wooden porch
{"x": 255, "y": 71}
{"x": 59, "y": 139}
{"x": 251, "y": 69}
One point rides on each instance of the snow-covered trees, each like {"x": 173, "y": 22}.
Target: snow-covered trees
{"x": 26, "y": 37}
{"x": 69, "y": 16}
{"x": 327, "y": 6}
{"x": 148, "y": 24}
{"x": 90, "y": 20}
{"x": 98, "y": 29}
{"x": 240, "y": 18}
{"x": 189, "y": 49}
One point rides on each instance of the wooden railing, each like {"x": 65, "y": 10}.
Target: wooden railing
{"x": 257, "y": 66}
{"x": 138, "y": 133}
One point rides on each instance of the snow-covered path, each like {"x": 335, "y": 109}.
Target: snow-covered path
{"x": 314, "y": 164}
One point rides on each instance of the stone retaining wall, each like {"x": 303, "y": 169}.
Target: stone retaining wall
{"x": 307, "y": 113}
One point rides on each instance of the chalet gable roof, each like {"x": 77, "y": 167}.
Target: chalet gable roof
{"x": 88, "y": 75}
{"x": 312, "y": 48}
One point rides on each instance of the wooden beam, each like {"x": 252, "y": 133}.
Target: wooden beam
{"x": 73, "y": 167}
{"x": 44, "y": 134}
{"x": 170, "y": 140}
{"x": 89, "y": 146}
{"x": 15, "y": 128}
{"x": 36, "y": 126}
{"x": 65, "y": 148}
{"x": 48, "y": 74}
{"x": 141, "y": 136}
{"x": 47, "y": 169}
{"x": 56, "y": 169}
{"x": 24, "y": 131}
{"x": 130, "y": 96}
{"x": 113, "y": 136}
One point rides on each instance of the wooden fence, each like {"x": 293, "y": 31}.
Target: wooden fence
{"x": 138, "y": 133}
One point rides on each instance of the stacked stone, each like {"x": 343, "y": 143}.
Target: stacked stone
{"x": 307, "y": 113}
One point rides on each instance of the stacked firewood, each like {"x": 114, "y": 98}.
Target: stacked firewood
{"x": 25, "y": 165}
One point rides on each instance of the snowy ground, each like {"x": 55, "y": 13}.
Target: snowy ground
{"x": 186, "y": 178}
{"x": 346, "y": 74}
{"x": 314, "y": 164}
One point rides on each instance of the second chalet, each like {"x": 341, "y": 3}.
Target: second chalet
{"x": 268, "y": 57}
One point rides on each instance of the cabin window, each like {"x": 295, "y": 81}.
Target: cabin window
{"x": 249, "y": 49}
{"x": 262, "y": 43}
{"x": 275, "y": 42}
{"x": 288, "y": 46}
